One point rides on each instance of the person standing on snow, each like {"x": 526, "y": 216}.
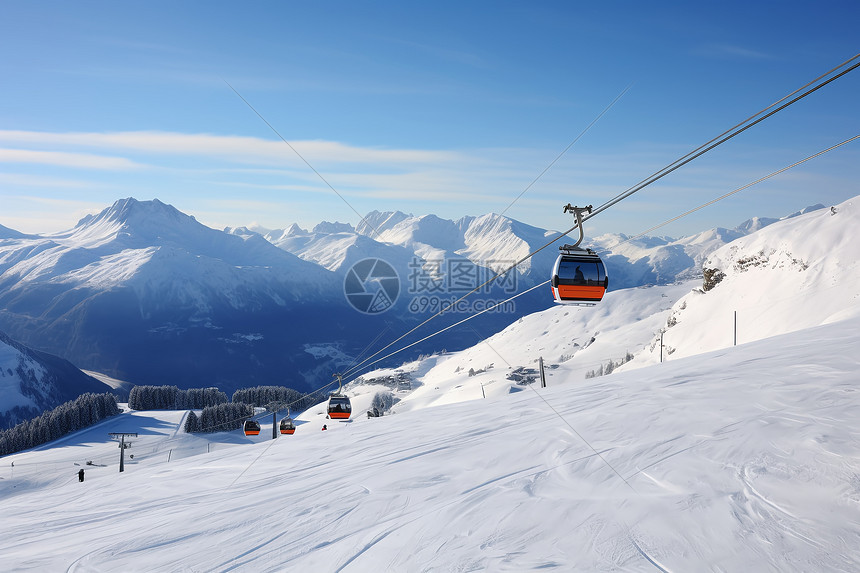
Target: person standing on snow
{"x": 81, "y": 474}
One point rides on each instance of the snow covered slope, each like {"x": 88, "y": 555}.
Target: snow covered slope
{"x": 742, "y": 459}
{"x": 32, "y": 382}
{"x": 795, "y": 274}
{"x": 799, "y": 272}
{"x": 573, "y": 342}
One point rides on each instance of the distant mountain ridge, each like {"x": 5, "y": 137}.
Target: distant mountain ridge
{"x": 497, "y": 242}
{"x": 7, "y": 233}
{"x": 146, "y": 293}
{"x": 141, "y": 280}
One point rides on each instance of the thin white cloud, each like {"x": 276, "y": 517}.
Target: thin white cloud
{"x": 86, "y": 207}
{"x": 239, "y": 148}
{"x": 66, "y": 159}
{"x": 44, "y": 215}
{"x": 28, "y": 180}
{"x": 307, "y": 189}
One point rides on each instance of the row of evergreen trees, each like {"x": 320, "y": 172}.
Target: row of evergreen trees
{"x": 217, "y": 414}
{"x": 85, "y": 410}
{"x": 172, "y": 398}
{"x": 220, "y": 418}
{"x": 226, "y": 417}
{"x": 280, "y": 396}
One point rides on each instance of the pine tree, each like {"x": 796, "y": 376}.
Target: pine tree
{"x": 191, "y": 423}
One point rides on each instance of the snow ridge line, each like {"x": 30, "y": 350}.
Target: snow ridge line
{"x": 642, "y": 552}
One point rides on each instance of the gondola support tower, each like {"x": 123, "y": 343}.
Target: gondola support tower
{"x": 121, "y": 436}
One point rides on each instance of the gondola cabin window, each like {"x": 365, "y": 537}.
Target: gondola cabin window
{"x": 579, "y": 277}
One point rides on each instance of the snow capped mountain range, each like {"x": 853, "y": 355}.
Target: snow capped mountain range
{"x": 141, "y": 278}
{"x": 236, "y": 308}
{"x": 497, "y": 242}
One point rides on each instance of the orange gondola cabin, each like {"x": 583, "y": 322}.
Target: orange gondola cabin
{"x": 251, "y": 428}
{"x": 578, "y": 277}
{"x": 339, "y": 407}
{"x": 288, "y": 427}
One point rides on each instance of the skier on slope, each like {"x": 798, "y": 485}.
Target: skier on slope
{"x": 81, "y": 474}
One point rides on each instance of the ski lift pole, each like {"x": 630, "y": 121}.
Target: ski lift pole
{"x": 122, "y": 445}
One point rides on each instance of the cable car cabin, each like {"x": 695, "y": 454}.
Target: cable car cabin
{"x": 339, "y": 407}
{"x": 252, "y": 428}
{"x": 287, "y": 426}
{"x": 578, "y": 277}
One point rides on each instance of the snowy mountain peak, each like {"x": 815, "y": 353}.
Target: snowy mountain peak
{"x": 754, "y": 224}
{"x": 138, "y": 222}
{"x": 327, "y": 227}
{"x": 294, "y": 229}
{"x": 379, "y": 222}
{"x": 805, "y": 210}
{"x": 243, "y": 232}
{"x": 427, "y": 230}
{"x": 489, "y": 224}
{"x": 758, "y": 223}
{"x": 130, "y": 211}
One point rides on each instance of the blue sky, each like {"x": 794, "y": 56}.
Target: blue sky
{"x": 450, "y": 108}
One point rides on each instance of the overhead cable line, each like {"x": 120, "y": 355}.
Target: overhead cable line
{"x": 535, "y": 180}
{"x": 720, "y": 139}
{"x": 605, "y": 461}
{"x": 318, "y": 174}
{"x": 551, "y": 407}
{"x": 727, "y": 135}
{"x": 565, "y": 150}
{"x": 634, "y": 237}
{"x": 739, "y": 189}
{"x": 449, "y": 327}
